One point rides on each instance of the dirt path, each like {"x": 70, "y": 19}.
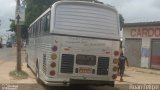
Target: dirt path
{"x": 8, "y": 63}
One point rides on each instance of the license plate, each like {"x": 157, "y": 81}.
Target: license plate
{"x": 85, "y": 70}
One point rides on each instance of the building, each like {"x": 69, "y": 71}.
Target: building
{"x": 142, "y": 44}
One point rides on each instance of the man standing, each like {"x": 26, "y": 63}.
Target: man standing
{"x": 121, "y": 64}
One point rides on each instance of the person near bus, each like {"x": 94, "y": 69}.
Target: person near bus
{"x": 121, "y": 64}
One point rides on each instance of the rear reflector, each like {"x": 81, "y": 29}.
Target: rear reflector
{"x": 54, "y": 56}
{"x": 54, "y": 48}
{"x": 115, "y": 69}
{"x": 53, "y": 64}
{"x": 116, "y": 53}
{"x": 52, "y": 73}
{"x": 114, "y": 76}
{"x": 115, "y": 61}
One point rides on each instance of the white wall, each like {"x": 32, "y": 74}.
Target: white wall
{"x": 146, "y": 34}
{"x": 145, "y": 52}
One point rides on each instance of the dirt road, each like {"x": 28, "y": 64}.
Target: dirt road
{"x": 8, "y": 63}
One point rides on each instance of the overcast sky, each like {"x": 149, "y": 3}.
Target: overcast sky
{"x": 132, "y": 11}
{"x": 137, "y": 10}
{"x": 7, "y": 11}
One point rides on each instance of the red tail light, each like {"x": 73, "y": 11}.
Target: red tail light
{"x": 54, "y": 48}
{"x": 114, "y": 76}
{"x": 116, "y": 53}
{"x": 53, "y": 64}
{"x": 52, "y": 73}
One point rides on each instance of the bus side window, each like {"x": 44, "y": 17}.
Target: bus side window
{"x": 31, "y": 31}
{"x": 48, "y": 22}
{"x": 39, "y": 27}
{"x": 36, "y": 29}
{"x": 45, "y": 25}
{"x": 42, "y": 25}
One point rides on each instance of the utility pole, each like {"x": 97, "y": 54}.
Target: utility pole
{"x": 18, "y": 35}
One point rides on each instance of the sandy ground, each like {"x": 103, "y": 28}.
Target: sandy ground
{"x": 132, "y": 75}
{"x": 8, "y": 63}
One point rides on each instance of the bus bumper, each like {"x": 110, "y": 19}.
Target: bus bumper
{"x": 79, "y": 82}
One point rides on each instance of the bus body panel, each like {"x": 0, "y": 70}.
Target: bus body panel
{"x": 80, "y": 46}
{"x": 85, "y": 19}
{"x": 74, "y": 46}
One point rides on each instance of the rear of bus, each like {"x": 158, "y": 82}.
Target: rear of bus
{"x": 85, "y": 48}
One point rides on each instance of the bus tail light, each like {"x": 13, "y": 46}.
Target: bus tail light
{"x": 52, "y": 73}
{"x": 53, "y": 64}
{"x": 116, "y": 53}
{"x": 54, "y": 48}
{"x": 53, "y": 56}
{"x": 115, "y": 69}
{"x": 114, "y": 76}
{"x": 115, "y": 61}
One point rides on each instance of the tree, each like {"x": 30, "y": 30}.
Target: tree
{"x": 12, "y": 26}
{"x": 24, "y": 32}
{"x": 35, "y": 8}
{"x": 121, "y": 19}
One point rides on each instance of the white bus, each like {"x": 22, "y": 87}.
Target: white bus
{"x": 75, "y": 42}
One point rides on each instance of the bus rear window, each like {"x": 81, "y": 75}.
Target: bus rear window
{"x": 86, "y": 59}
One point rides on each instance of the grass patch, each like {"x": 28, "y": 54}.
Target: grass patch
{"x": 18, "y": 75}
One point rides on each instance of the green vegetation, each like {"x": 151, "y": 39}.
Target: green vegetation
{"x": 121, "y": 19}
{"x": 35, "y": 8}
{"x": 18, "y": 75}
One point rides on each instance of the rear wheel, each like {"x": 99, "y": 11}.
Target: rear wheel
{"x": 111, "y": 83}
{"x": 26, "y": 59}
{"x": 37, "y": 74}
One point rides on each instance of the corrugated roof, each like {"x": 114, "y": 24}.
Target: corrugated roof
{"x": 156, "y": 23}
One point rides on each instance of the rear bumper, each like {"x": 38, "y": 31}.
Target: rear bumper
{"x": 79, "y": 82}
{"x": 90, "y": 82}
{"x": 53, "y": 83}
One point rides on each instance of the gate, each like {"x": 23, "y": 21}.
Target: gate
{"x": 155, "y": 53}
{"x": 133, "y": 51}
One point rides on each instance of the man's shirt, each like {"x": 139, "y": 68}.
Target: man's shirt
{"x": 122, "y": 60}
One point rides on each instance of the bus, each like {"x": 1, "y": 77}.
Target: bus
{"x": 75, "y": 42}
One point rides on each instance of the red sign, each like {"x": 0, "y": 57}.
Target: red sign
{"x": 85, "y": 70}
{"x": 145, "y": 32}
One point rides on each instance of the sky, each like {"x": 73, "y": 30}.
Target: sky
{"x": 132, "y": 11}
{"x": 137, "y": 10}
{"x": 7, "y": 12}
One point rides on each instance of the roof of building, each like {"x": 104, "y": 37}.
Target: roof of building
{"x": 156, "y": 23}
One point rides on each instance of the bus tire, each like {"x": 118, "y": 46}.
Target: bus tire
{"x": 37, "y": 74}
{"x": 111, "y": 83}
{"x": 26, "y": 59}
